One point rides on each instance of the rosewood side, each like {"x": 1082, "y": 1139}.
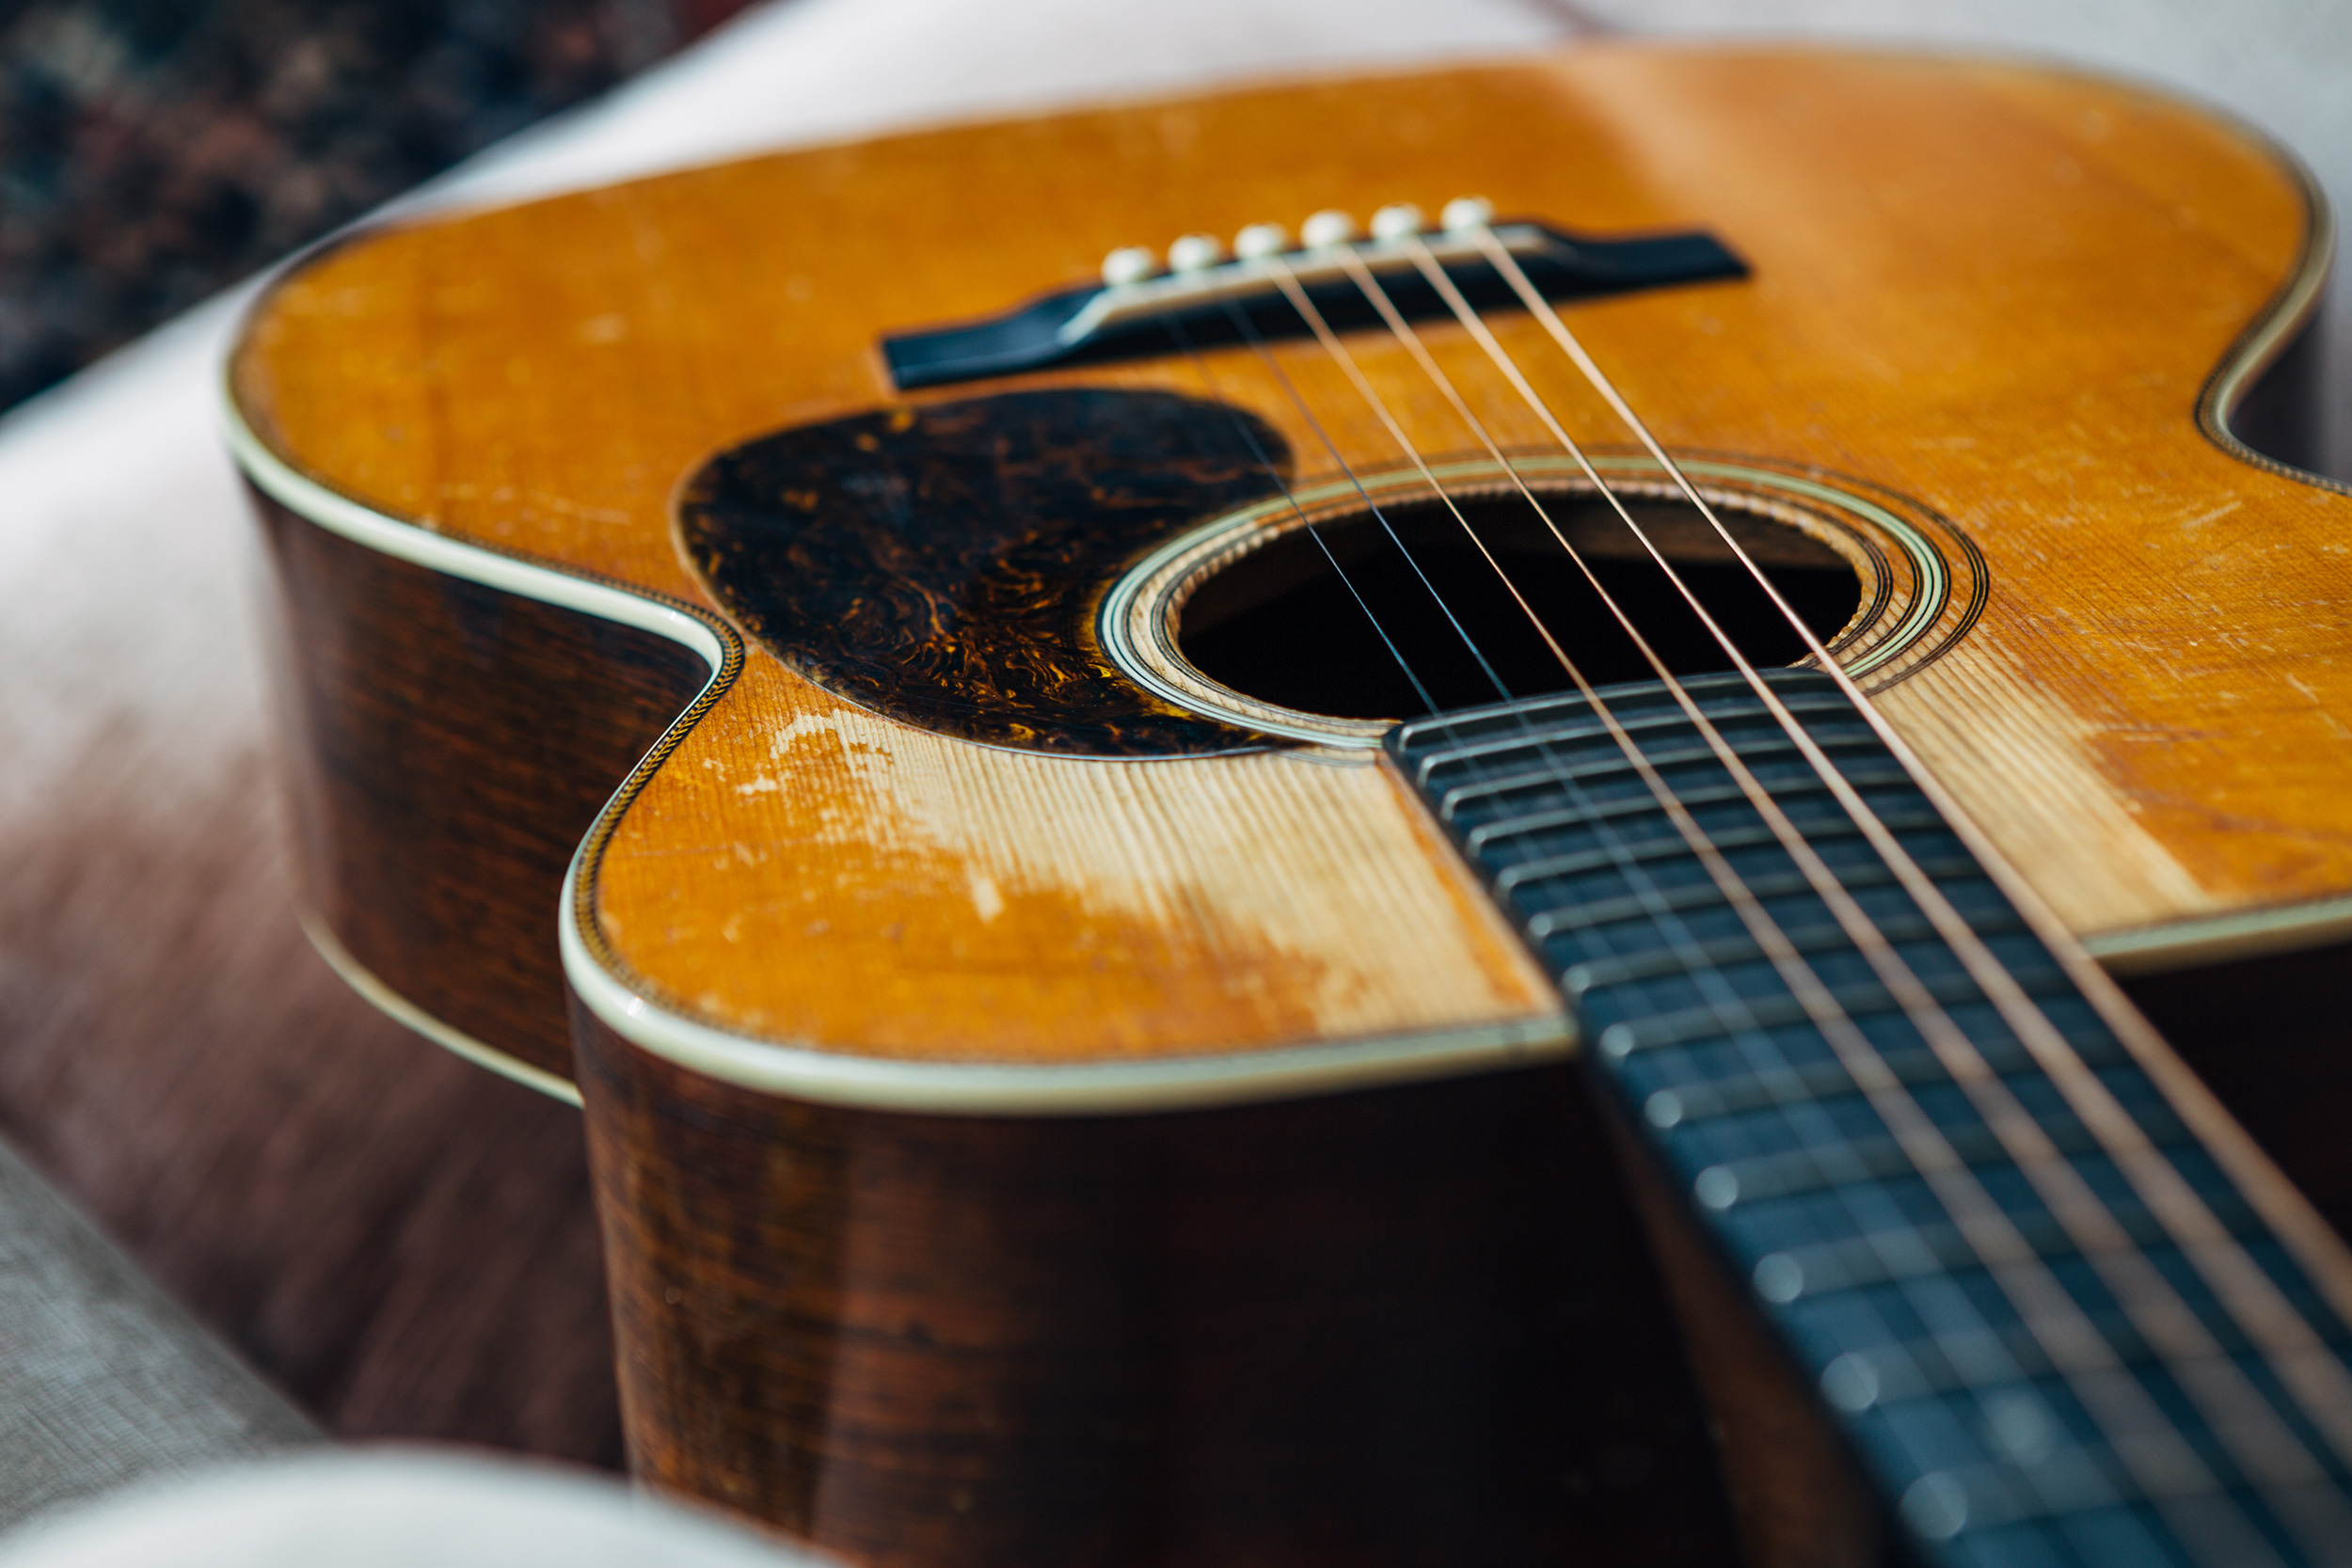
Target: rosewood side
{"x": 1412, "y": 1326}
{"x": 447, "y": 747}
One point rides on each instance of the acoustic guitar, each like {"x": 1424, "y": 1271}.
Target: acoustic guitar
{"x": 1380, "y": 820}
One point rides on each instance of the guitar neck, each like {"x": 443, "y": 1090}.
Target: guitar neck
{"x": 2051, "y": 1323}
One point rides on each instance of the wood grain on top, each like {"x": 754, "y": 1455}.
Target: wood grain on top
{"x": 1992, "y": 290}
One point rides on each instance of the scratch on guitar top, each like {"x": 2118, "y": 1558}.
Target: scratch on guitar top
{"x": 1068, "y": 907}
{"x": 788, "y": 734}
{"x": 2212, "y": 515}
{"x": 985, "y": 897}
{"x": 2013, "y": 738}
{"x": 2319, "y": 706}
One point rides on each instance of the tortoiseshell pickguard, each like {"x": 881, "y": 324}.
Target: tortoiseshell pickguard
{"x": 943, "y": 565}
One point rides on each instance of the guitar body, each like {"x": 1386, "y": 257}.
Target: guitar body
{"x": 1042, "y": 1118}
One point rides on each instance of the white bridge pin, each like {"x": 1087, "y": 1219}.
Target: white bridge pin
{"x": 1130, "y": 264}
{"x": 1194, "y": 253}
{"x": 1261, "y": 240}
{"x": 1466, "y": 212}
{"x": 1398, "y": 220}
{"x": 1327, "y": 230}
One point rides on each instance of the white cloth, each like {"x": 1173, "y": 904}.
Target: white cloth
{"x": 391, "y": 1508}
{"x": 102, "y": 1380}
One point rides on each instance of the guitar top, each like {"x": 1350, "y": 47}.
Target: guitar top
{"x": 1046, "y": 621}
{"x": 1997, "y": 295}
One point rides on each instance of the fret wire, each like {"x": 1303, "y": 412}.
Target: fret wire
{"x": 1893, "y": 1371}
{"x": 2233, "y": 1409}
{"x": 1479, "y": 838}
{"x": 1569, "y": 864}
{"x": 1985, "y": 1218}
{"x": 1759, "y": 1177}
{"x": 1810, "y": 940}
{"x": 1919, "y": 1067}
{"x": 1670, "y": 759}
{"x": 1471, "y": 751}
{"x": 1857, "y": 1002}
{"x": 1755, "y": 747}
{"x": 2320, "y": 1385}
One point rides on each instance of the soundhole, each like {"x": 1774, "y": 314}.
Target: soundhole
{"x": 1284, "y": 624}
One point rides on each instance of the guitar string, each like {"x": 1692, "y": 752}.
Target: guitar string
{"x": 2075, "y": 1075}
{"x": 1257, "y": 451}
{"x": 1397, "y": 541}
{"x": 2222, "y": 1390}
{"x": 1306, "y": 412}
{"x": 2318, "y": 1382}
{"x": 2118, "y": 1404}
{"x": 1867, "y": 1204}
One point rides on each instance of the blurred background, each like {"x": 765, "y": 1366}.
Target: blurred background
{"x": 152, "y": 152}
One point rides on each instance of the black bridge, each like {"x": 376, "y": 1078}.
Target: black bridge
{"x": 1158, "y": 316}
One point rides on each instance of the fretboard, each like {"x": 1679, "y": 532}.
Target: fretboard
{"x": 2052, "y": 1339}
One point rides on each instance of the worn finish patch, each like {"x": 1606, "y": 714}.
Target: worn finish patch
{"x": 942, "y": 565}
